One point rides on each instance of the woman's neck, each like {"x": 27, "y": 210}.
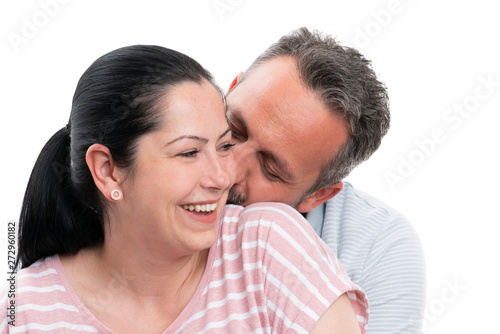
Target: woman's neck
{"x": 160, "y": 267}
{"x": 134, "y": 279}
{"x": 151, "y": 274}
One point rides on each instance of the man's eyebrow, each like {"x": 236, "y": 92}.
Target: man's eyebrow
{"x": 224, "y": 133}
{"x": 236, "y": 116}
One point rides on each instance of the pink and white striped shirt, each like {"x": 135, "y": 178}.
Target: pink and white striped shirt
{"x": 268, "y": 272}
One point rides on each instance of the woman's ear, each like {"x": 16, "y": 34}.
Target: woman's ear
{"x": 104, "y": 172}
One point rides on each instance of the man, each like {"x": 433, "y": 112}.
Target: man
{"x": 304, "y": 114}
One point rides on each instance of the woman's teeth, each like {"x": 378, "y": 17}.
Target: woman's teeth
{"x": 200, "y": 208}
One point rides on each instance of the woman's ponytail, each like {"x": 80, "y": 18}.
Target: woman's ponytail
{"x": 52, "y": 218}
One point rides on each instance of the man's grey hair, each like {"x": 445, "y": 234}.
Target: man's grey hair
{"x": 347, "y": 85}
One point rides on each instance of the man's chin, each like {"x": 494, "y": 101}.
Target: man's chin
{"x": 235, "y": 197}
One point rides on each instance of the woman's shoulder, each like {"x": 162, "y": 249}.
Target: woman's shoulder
{"x": 271, "y": 225}
{"x": 38, "y": 277}
{"x": 46, "y": 267}
{"x": 29, "y": 289}
{"x": 278, "y": 217}
{"x": 294, "y": 260}
{"x": 26, "y": 276}
{"x": 275, "y": 211}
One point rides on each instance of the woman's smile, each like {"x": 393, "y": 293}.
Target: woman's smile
{"x": 203, "y": 212}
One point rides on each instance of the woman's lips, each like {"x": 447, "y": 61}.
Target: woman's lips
{"x": 200, "y": 207}
{"x": 202, "y": 212}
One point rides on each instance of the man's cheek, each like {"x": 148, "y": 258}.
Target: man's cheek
{"x": 231, "y": 169}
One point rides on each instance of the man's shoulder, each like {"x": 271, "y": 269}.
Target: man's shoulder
{"x": 382, "y": 253}
{"x": 355, "y": 208}
{"x": 358, "y": 226}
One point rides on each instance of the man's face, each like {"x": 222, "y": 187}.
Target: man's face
{"x": 284, "y": 134}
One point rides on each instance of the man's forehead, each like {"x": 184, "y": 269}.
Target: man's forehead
{"x": 278, "y": 66}
{"x": 285, "y": 108}
{"x": 274, "y": 74}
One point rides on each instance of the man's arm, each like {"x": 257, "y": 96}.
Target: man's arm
{"x": 382, "y": 253}
{"x": 394, "y": 280}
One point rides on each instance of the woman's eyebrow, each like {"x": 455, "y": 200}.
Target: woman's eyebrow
{"x": 204, "y": 140}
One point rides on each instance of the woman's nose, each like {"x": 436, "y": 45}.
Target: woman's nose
{"x": 219, "y": 173}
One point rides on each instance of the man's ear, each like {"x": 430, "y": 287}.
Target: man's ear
{"x": 319, "y": 197}
{"x": 103, "y": 170}
{"x": 234, "y": 82}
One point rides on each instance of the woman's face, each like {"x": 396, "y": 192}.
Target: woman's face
{"x": 182, "y": 173}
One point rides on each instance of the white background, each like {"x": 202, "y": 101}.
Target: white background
{"x": 434, "y": 58}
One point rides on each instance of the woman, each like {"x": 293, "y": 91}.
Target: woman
{"x": 123, "y": 227}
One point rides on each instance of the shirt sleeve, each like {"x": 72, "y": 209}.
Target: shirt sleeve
{"x": 394, "y": 279}
{"x": 302, "y": 275}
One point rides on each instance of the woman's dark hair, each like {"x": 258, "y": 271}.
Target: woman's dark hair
{"x": 114, "y": 104}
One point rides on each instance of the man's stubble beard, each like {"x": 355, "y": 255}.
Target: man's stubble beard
{"x": 235, "y": 197}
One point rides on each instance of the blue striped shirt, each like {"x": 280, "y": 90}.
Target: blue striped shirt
{"x": 381, "y": 253}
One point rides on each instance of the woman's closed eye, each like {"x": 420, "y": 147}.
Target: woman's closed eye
{"x": 226, "y": 147}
